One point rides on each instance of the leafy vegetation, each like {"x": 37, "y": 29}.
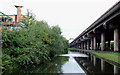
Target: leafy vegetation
{"x": 34, "y": 43}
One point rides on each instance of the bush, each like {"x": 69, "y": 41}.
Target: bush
{"x": 35, "y": 43}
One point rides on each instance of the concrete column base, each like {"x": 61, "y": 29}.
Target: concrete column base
{"x": 116, "y": 40}
{"x": 102, "y": 41}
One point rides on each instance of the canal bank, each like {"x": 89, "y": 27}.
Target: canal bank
{"x": 111, "y": 57}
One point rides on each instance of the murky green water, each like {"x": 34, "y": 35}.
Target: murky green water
{"x": 73, "y": 62}
{"x": 52, "y": 67}
{"x": 60, "y": 64}
{"x": 96, "y": 66}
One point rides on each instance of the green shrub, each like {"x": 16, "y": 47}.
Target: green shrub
{"x": 35, "y": 43}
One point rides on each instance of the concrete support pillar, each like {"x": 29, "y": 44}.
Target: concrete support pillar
{"x": 102, "y": 41}
{"x": 88, "y": 45}
{"x": 94, "y": 60}
{"x": 115, "y": 70}
{"x": 81, "y": 45}
{"x": 95, "y": 43}
{"x": 102, "y": 65}
{"x": 85, "y": 45}
{"x": 116, "y": 39}
{"x": 91, "y": 43}
{"x": 77, "y": 45}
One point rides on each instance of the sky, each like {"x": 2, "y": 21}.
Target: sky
{"x": 72, "y": 16}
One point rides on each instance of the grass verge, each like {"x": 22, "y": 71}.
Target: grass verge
{"x": 114, "y": 53}
{"x": 115, "y": 59}
{"x": 71, "y": 48}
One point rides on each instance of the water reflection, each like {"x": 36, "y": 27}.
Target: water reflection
{"x": 74, "y": 62}
{"x": 94, "y": 60}
{"x": 102, "y": 65}
{"x": 61, "y": 64}
{"x": 72, "y": 67}
{"x": 96, "y": 66}
{"x": 116, "y": 69}
{"x": 74, "y": 54}
{"x": 52, "y": 67}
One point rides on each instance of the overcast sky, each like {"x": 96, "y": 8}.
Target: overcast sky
{"x": 72, "y": 16}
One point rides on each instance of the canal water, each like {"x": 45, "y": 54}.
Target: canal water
{"x": 73, "y": 62}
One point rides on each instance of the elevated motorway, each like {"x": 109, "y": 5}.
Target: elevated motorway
{"x": 102, "y": 33}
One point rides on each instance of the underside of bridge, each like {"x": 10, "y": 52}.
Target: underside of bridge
{"x": 103, "y": 34}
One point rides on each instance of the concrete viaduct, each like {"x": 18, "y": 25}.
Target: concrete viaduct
{"x": 100, "y": 34}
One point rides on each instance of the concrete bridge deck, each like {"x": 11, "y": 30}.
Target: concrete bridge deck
{"x": 102, "y": 34}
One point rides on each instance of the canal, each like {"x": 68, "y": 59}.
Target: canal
{"x": 73, "y": 62}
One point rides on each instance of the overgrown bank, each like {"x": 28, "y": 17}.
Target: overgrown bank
{"x": 34, "y": 43}
{"x": 109, "y": 57}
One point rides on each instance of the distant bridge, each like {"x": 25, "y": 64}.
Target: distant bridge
{"x": 100, "y": 34}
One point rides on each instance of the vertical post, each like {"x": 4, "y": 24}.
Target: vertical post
{"x": 77, "y": 45}
{"x": 102, "y": 41}
{"x": 81, "y": 45}
{"x": 95, "y": 43}
{"x": 88, "y": 45}
{"x": 116, "y": 39}
{"x": 85, "y": 45}
{"x": 91, "y": 43}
